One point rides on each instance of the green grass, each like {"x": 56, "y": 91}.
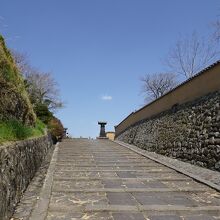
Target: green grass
{"x": 13, "y": 130}
{"x": 39, "y": 128}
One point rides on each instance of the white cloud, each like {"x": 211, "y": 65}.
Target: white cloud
{"x": 106, "y": 97}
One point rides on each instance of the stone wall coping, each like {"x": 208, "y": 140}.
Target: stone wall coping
{"x": 208, "y": 177}
{"x": 203, "y": 83}
{"x": 13, "y": 143}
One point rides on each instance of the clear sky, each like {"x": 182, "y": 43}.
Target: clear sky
{"x": 97, "y": 50}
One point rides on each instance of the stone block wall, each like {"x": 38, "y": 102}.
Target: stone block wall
{"x": 18, "y": 163}
{"x": 189, "y": 132}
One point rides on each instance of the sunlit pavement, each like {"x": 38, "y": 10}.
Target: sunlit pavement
{"x": 99, "y": 179}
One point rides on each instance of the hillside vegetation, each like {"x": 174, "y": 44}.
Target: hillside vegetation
{"x": 22, "y": 117}
{"x": 14, "y": 101}
{"x": 13, "y": 130}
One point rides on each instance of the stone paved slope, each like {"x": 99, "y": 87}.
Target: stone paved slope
{"x": 99, "y": 179}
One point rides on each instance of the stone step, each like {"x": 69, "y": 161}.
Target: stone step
{"x": 164, "y": 209}
{"x": 122, "y": 178}
{"x": 159, "y": 208}
{"x": 118, "y": 170}
{"x": 109, "y": 165}
{"x": 154, "y": 190}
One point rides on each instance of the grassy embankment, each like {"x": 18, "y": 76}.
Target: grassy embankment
{"x": 17, "y": 118}
{"x": 13, "y": 130}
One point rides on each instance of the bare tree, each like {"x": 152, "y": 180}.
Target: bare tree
{"x": 191, "y": 55}
{"x": 156, "y": 85}
{"x": 216, "y": 33}
{"x": 43, "y": 89}
{"x": 22, "y": 62}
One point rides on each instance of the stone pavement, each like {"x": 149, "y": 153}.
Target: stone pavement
{"x": 204, "y": 175}
{"x": 99, "y": 179}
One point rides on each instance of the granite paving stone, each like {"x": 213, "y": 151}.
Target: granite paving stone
{"x": 121, "y": 198}
{"x": 165, "y": 217}
{"x": 128, "y": 216}
{"x": 112, "y": 183}
{"x": 126, "y": 174}
{"x": 155, "y": 184}
{"x": 199, "y": 217}
{"x": 100, "y": 179}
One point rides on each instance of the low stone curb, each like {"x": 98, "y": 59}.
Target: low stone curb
{"x": 40, "y": 210}
{"x": 205, "y": 176}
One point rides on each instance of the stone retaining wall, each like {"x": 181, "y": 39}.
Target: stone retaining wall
{"x": 19, "y": 162}
{"x": 189, "y": 132}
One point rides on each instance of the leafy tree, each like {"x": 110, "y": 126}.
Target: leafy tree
{"x": 43, "y": 113}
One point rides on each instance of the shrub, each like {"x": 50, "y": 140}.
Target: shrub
{"x": 12, "y": 130}
{"x": 39, "y": 129}
{"x": 43, "y": 113}
{"x": 56, "y": 129}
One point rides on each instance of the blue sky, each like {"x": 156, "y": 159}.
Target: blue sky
{"x": 97, "y": 50}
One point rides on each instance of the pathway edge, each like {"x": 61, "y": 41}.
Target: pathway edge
{"x": 145, "y": 154}
{"x": 39, "y": 211}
